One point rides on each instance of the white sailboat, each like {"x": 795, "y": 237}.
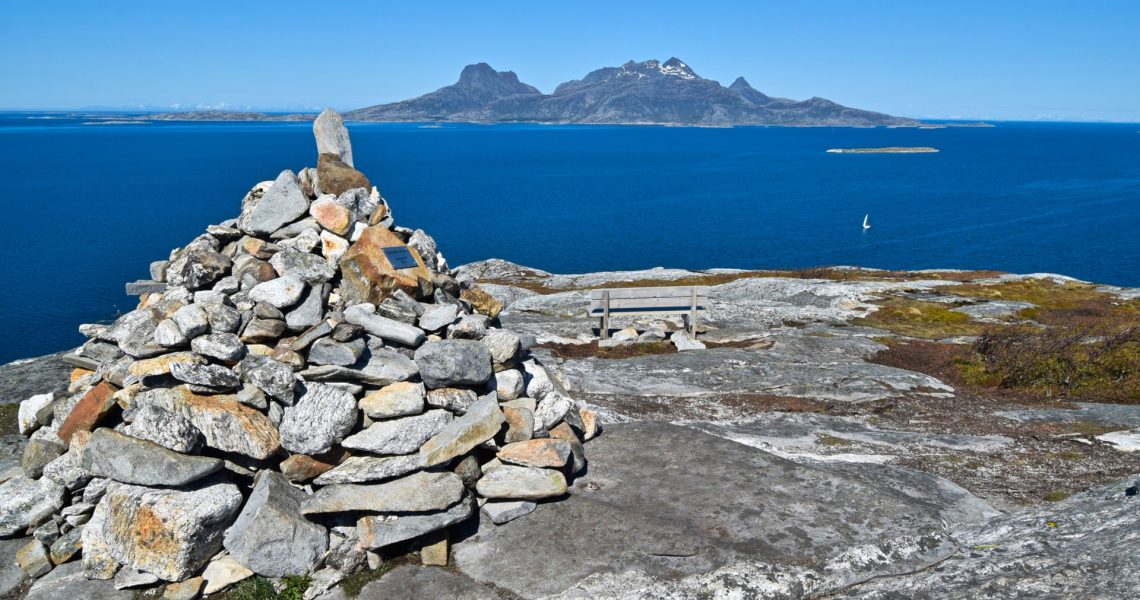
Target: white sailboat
{"x": 866, "y": 226}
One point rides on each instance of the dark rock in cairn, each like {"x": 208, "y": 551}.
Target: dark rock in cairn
{"x": 303, "y": 389}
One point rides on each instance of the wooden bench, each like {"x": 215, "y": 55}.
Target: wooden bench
{"x": 687, "y": 301}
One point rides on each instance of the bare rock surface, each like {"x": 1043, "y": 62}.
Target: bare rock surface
{"x": 1081, "y": 547}
{"x": 67, "y": 581}
{"x": 739, "y": 521}
{"x": 424, "y": 582}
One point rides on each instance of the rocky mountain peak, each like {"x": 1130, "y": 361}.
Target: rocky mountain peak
{"x": 743, "y": 88}
{"x": 482, "y": 82}
{"x": 673, "y": 67}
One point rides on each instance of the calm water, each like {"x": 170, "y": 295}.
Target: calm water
{"x": 89, "y": 206}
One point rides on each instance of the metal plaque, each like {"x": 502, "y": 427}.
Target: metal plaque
{"x": 400, "y": 257}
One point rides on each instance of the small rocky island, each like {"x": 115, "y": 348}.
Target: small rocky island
{"x": 310, "y": 402}
{"x": 885, "y": 150}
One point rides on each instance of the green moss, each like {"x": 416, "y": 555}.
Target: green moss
{"x": 637, "y": 349}
{"x": 253, "y": 588}
{"x": 352, "y": 584}
{"x": 831, "y": 440}
{"x": 295, "y": 586}
{"x": 1092, "y": 428}
{"x": 918, "y": 319}
{"x": 1056, "y": 496}
{"x": 8, "y": 424}
{"x": 1067, "y": 455}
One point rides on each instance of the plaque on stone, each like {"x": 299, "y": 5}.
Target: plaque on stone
{"x": 400, "y": 257}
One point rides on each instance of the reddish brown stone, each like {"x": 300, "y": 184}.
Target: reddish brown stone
{"x": 536, "y": 453}
{"x": 89, "y": 411}
{"x": 301, "y": 467}
{"x": 331, "y": 215}
{"x": 335, "y": 177}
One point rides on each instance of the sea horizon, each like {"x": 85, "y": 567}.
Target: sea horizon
{"x": 1017, "y": 197}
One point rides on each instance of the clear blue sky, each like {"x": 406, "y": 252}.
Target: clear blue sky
{"x": 996, "y": 59}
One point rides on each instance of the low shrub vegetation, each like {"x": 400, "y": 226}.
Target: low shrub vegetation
{"x": 1088, "y": 363}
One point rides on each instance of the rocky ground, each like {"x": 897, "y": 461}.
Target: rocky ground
{"x": 803, "y": 453}
{"x": 799, "y": 455}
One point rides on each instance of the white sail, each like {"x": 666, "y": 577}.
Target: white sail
{"x": 865, "y": 225}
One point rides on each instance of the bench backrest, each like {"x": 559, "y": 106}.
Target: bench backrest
{"x": 649, "y": 300}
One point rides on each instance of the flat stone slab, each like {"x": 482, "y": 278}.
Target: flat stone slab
{"x": 1081, "y": 547}
{"x": 414, "y": 581}
{"x": 67, "y": 581}
{"x": 798, "y": 366}
{"x": 667, "y": 511}
{"x": 794, "y": 435}
{"x": 1105, "y": 414}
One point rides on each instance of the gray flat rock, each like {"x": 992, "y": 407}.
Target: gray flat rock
{"x": 383, "y": 327}
{"x": 362, "y": 469}
{"x": 399, "y": 436}
{"x": 665, "y": 511}
{"x": 282, "y": 203}
{"x": 270, "y": 536}
{"x": 1106, "y": 414}
{"x": 130, "y": 460}
{"x": 793, "y": 435}
{"x": 68, "y": 581}
{"x": 805, "y": 367}
{"x": 505, "y": 511}
{"x": 414, "y": 581}
{"x": 418, "y": 492}
{"x": 380, "y": 531}
{"x": 454, "y": 363}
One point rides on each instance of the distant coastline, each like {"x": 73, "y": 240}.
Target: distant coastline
{"x": 885, "y": 150}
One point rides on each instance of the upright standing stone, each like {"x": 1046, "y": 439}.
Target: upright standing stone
{"x": 332, "y": 136}
{"x": 270, "y": 536}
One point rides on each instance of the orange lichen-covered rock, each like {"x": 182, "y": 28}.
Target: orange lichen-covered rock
{"x": 94, "y": 405}
{"x": 481, "y": 301}
{"x": 367, "y": 275}
{"x": 226, "y": 423}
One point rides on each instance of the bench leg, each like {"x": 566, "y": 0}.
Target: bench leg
{"x": 603, "y": 329}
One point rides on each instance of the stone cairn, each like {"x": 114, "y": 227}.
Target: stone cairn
{"x": 302, "y": 390}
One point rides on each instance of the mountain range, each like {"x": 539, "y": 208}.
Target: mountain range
{"x": 648, "y": 92}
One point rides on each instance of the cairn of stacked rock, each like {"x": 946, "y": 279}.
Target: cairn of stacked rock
{"x": 304, "y": 389}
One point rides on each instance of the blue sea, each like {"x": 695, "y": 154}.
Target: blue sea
{"x": 89, "y": 206}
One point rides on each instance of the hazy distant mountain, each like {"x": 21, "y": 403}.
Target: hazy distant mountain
{"x": 636, "y": 92}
